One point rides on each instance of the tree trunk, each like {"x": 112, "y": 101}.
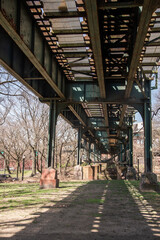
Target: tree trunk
{"x": 69, "y": 157}
{"x": 17, "y": 169}
{"x": 34, "y": 164}
{"x": 56, "y": 155}
{"x": 7, "y": 167}
{"x": 23, "y": 166}
{"x": 60, "y": 157}
{"x": 37, "y": 164}
{"x": 41, "y": 163}
{"x": 4, "y": 165}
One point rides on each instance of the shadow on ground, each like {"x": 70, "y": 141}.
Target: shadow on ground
{"x": 96, "y": 210}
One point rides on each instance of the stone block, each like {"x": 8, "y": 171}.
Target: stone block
{"x": 49, "y": 179}
{"x": 148, "y": 182}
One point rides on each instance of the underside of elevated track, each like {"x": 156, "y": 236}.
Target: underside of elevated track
{"x": 92, "y": 61}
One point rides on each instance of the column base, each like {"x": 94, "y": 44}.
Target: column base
{"x": 88, "y": 173}
{"x": 49, "y": 179}
{"x": 78, "y": 172}
{"x": 148, "y": 182}
{"x": 131, "y": 173}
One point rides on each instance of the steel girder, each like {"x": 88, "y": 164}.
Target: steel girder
{"x": 30, "y": 51}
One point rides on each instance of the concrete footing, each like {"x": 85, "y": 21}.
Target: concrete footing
{"x": 78, "y": 172}
{"x": 91, "y": 172}
{"x": 88, "y": 173}
{"x": 131, "y": 173}
{"x": 148, "y": 182}
{"x": 49, "y": 179}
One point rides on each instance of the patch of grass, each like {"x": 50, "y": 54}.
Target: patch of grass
{"x": 99, "y": 182}
{"x": 28, "y": 202}
{"x": 73, "y": 183}
{"x": 95, "y": 200}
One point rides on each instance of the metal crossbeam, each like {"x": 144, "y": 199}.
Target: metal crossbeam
{"x": 130, "y": 4}
{"x": 64, "y": 14}
{"x": 147, "y": 11}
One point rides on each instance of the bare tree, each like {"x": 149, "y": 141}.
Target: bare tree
{"x": 33, "y": 116}
{"x": 25, "y": 119}
{"x": 21, "y": 105}
{"x": 9, "y": 89}
{"x": 13, "y": 141}
{"x": 66, "y": 144}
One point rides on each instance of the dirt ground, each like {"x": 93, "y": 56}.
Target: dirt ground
{"x": 89, "y": 210}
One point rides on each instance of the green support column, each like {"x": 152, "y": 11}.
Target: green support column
{"x": 79, "y": 146}
{"x": 85, "y": 151}
{"x": 130, "y": 135}
{"x": 148, "y": 181}
{"x": 147, "y": 138}
{"x": 99, "y": 153}
{"x": 94, "y": 151}
{"x": 89, "y": 150}
{"x": 51, "y": 134}
{"x": 96, "y": 154}
{"x": 121, "y": 156}
{"x": 125, "y": 155}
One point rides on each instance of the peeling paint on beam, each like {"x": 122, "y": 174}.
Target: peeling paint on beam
{"x": 17, "y": 39}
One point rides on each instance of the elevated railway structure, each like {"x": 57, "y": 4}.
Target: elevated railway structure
{"x": 92, "y": 61}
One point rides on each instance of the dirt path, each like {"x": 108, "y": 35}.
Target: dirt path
{"x": 95, "y": 210}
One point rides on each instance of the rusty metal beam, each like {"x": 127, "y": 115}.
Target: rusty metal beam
{"x": 130, "y": 4}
